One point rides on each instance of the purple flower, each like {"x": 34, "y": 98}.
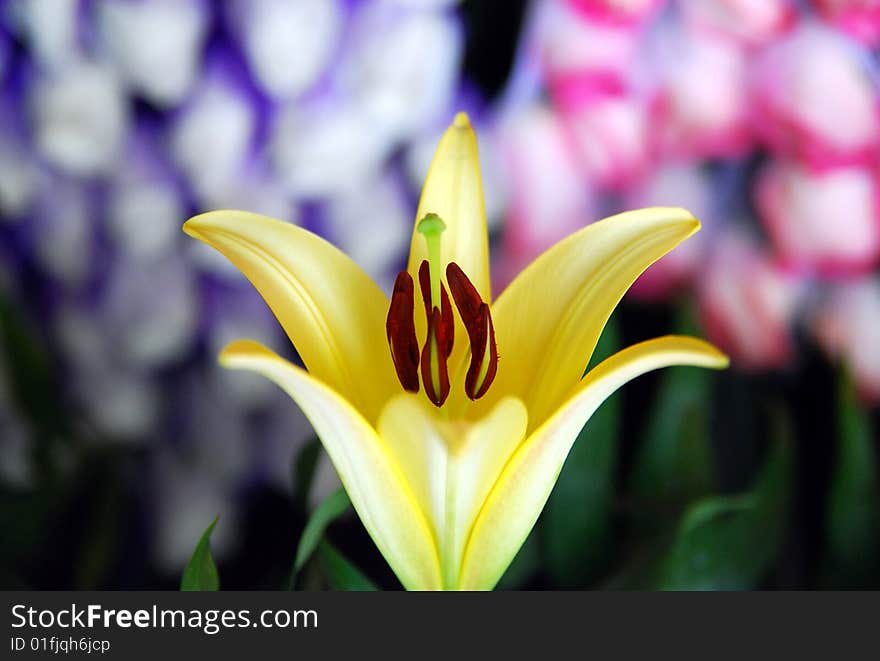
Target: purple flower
{"x": 80, "y": 118}
{"x": 155, "y": 46}
{"x": 289, "y": 44}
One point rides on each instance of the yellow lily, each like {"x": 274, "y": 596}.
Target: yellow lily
{"x": 450, "y": 484}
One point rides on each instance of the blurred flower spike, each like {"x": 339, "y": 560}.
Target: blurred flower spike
{"x": 450, "y": 484}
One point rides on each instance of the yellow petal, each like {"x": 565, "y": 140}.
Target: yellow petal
{"x": 332, "y": 311}
{"x": 451, "y": 466}
{"x": 454, "y": 191}
{"x": 370, "y": 475}
{"x": 519, "y": 495}
{"x": 548, "y": 320}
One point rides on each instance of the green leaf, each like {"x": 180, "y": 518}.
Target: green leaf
{"x": 304, "y": 472}
{"x": 731, "y": 542}
{"x": 332, "y": 508}
{"x": 28, "y": 363}
{"x": 854, "y": 499}
{"x": 200, "y": 574}
{"x": 101, "y": 518}
{"x": 674, "y": 463}
{"x": 576, "y": 523}
{"x": 341, "y": 574}
{"x": 25, "y": 516}
{"x": 33, "y": 386}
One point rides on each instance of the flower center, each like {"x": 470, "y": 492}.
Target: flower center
{"x": 432, "y": 361}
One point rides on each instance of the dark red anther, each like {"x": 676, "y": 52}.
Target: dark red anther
{"x": 445, "y": 307}
{"x": 425, "y": 286}
{"x": 439, "y": 338}
{"x": 401, "y": 331}
{"x": 484, "y": 332}
{"x": 441, "y": 334}
{"x": 477, "y": 321}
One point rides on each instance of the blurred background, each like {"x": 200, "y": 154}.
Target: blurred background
{"x": 120, "y": 437}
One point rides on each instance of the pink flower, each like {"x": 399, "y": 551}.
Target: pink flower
{"x": 613, "y": 139}
{"x": 748, "y": 21}
{"x": 703, "y": 108}
{"x": 821, "y": 221}
{"x": 580, "y": 58}
{"x": 860, "y": 19}
{"x": 747, "y": 304}
{"x": 847, "y": 325}
{"x": 618, "y": 12}
{"x": 674, "y": 186}
{"x": 814, "y": 99}
{"x": 548, "y": 198}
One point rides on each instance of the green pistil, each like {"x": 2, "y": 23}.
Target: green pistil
{"x": 431, "y": 227}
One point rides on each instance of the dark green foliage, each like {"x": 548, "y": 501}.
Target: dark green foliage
{"x": 731, "y": 542}
{"x": 853, "y": 515}
{"x": 200, "y": 574}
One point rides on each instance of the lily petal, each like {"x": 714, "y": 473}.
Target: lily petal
{"x": 332, "y": 311}
{"x": 451, "y": 466}
{"x": 518, "y": 496}
{"x": 372, "y": 478}
{"x": 454, "y": 191}
{"x": 550, "y": 338}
